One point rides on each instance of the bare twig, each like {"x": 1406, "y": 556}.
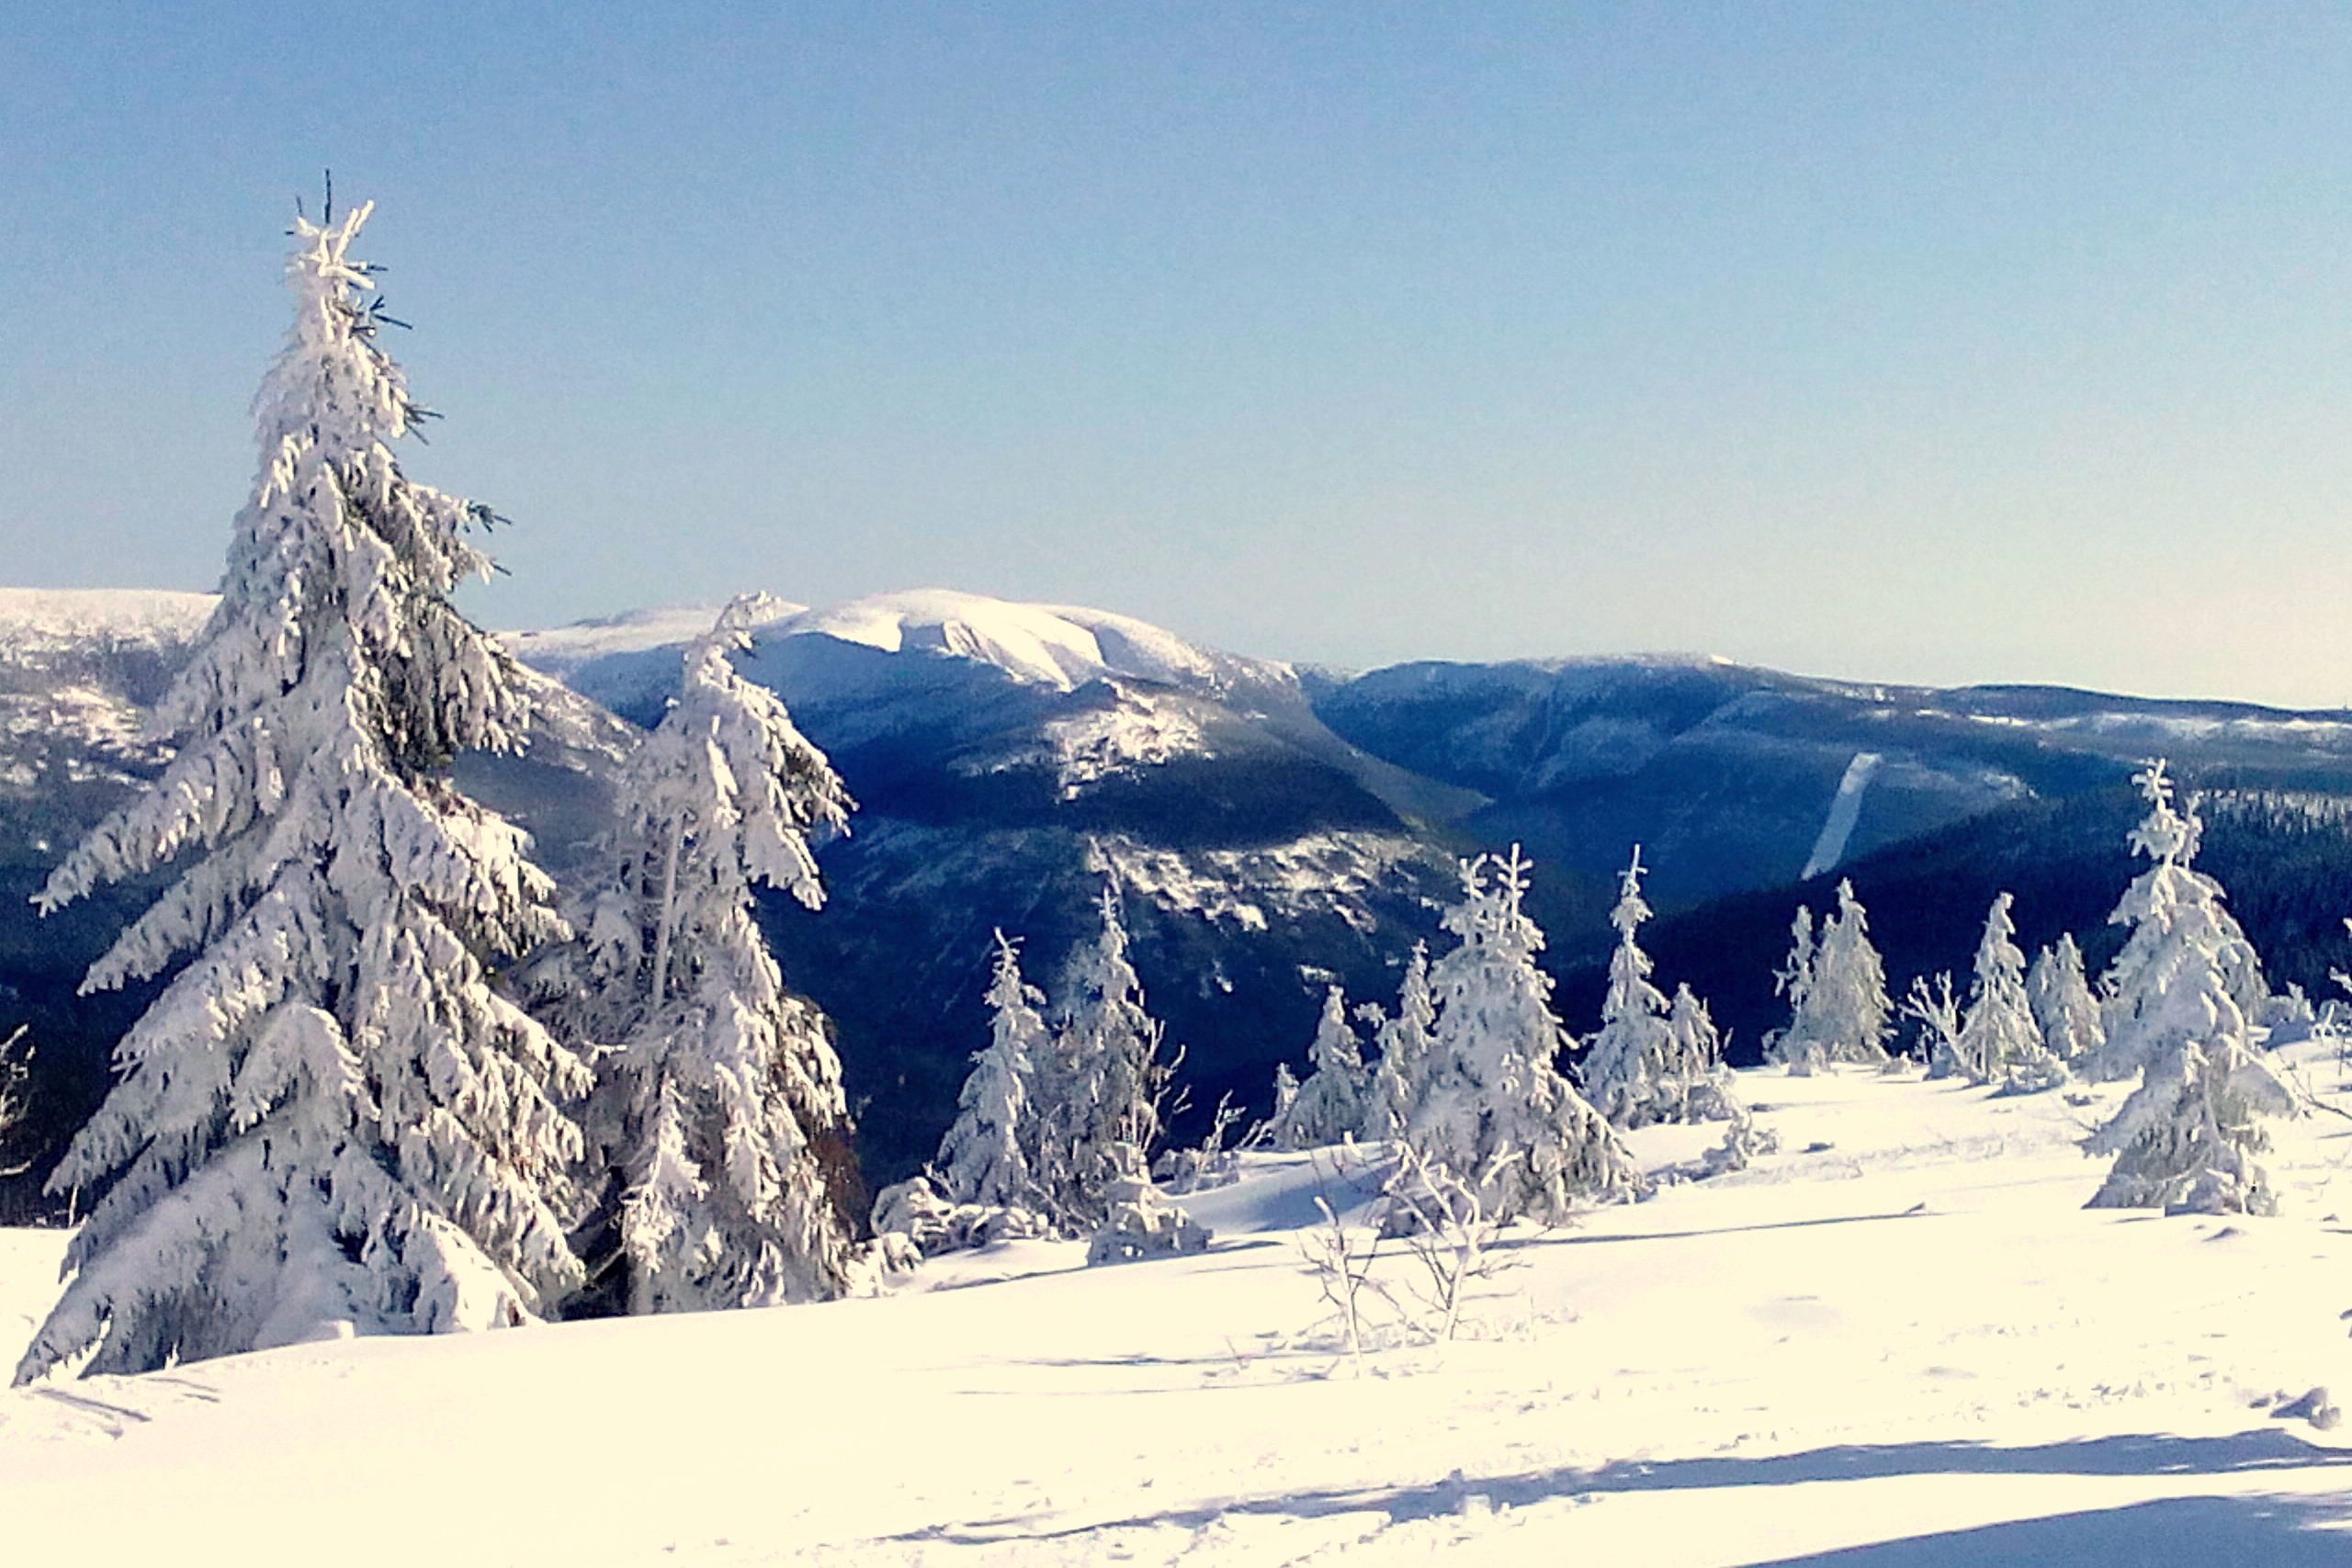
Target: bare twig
{"x": 1451, "y": 1236}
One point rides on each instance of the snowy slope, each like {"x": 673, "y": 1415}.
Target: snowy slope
{"x": 1910, "y": 1346}
{"x": 35, "y": 618}
{"x": 559, "y": 650}
{"x": 77, "y": 668}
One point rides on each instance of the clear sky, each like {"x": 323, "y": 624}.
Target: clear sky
{"x": 1946, "y": 342}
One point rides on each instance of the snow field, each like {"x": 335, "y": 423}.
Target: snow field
{"x": 1912, "y": 1346}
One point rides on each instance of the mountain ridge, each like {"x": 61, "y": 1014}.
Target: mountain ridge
{"x": 1275, "y": 828}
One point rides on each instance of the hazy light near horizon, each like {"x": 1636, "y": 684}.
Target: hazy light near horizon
{"x": 1933, "y": 344}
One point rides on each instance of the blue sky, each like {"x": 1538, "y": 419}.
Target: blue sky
{"x": 1940, "y": 343}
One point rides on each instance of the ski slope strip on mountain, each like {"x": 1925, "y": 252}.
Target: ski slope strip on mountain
{"x": 1902, "y": 1341}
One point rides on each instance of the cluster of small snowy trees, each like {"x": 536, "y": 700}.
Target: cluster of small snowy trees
{"x": 338, "y": 1116}
{"x": 2177, "y": 1010}
{"x": 1492, "y": 1106}
{"x": 1999, "y": 1037}
{"x": 2060, "y": 994}
{"x": 1836, "y": 985}
{"x": 1335, "y": 1101}
{"x": 1467, "y": 1075}
{"x": 1060, "y": 1120}
{"x": 1466, "y": 1023}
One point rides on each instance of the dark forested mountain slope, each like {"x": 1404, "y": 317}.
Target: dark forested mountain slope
{"x": 1271, "y": 829}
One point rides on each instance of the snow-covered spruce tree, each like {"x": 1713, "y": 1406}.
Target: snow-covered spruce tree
{"x": 1697, "y": 1056}
{"x": 1791, "y": 1047}
{"x": 717, "y": 1123}
{"x": 1844, "y": 1015}
{"x": 2178, "y": 927}
{"x": 2186, "y": 1139}
{"x": 15, "y": 1073}
{"x": 984, "y": 1159}
{"x": 1285, "y": 1096}
{"x": 1404, "y": 1043}
{"x": 1330, "y": 1105}
{"x": 1998, "y": 1039}
{"x": 331, "y": 1116}
{"x": 1628, "y": 1072}
{"x": 1099, "y": 1102}
{"x": 1494, "y": 1109}
{"x": 2063, "y": 1003}
{"x": 1936, "y": 1011}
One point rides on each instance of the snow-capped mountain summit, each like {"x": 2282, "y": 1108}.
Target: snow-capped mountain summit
{"x": 1056, "y": 647}
{"x": 1047, "y": 644}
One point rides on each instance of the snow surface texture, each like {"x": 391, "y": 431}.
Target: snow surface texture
{"x": 1912, "y": 1347}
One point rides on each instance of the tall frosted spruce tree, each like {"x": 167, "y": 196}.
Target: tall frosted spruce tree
{"x": 331, "y": 1119}
{"x": 2181, "y": 999}
{"x": 1404, "y": 1042}
{"x": 1999, "y": 1037}
{"x": 1099, "y": 1089}
{"x": 985, "y": 1157}
{"x": 2179, "y": 928}
{"x": 717, "y": 1122}
{"x": 1629, "y": 1072}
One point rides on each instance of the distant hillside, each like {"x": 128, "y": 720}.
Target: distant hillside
{"x": 1737, "y": 778}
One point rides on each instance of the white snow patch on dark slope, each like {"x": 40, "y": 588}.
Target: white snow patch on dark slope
{"x": 1845, "y": 810}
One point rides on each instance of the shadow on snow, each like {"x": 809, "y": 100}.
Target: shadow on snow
{"x": 2212, "y": 1532}
{"x": 2175, "y": 1532}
